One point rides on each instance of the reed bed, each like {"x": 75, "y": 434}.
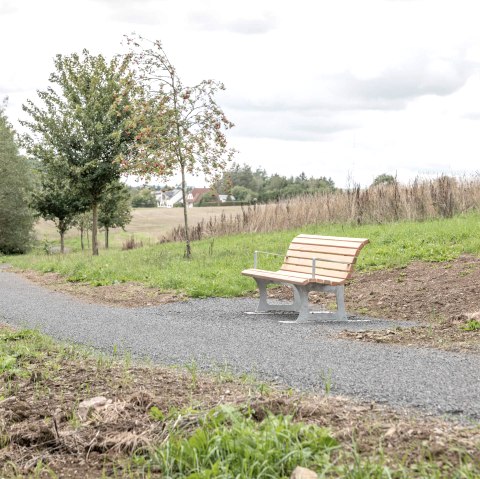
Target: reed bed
{"x": 420, "y": 200}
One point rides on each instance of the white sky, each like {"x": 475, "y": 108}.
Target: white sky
{"x": 340, "y": 88}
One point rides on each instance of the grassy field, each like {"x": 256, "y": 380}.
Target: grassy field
{"x": 177, "y": 422}
{"x": 148, "y": 224}
{"x": 215, "y": 267}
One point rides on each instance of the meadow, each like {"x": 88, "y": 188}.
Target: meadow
{"x": 215, "y": 267}
{"x": 147, "y": 225}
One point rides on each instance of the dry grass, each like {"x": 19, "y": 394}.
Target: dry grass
{"x": 148, "y": 222}
{"x": 443, "y": 197}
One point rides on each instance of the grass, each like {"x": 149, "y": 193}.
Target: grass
{"x": 171, "y": 431}
{"x": 217, "y": 263}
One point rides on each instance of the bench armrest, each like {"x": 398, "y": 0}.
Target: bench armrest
{"x": 255, "y": 256}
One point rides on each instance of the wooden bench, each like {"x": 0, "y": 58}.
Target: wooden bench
{"x": 312, "y": 263}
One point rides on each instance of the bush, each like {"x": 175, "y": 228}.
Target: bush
{"x": 16, "y": 218}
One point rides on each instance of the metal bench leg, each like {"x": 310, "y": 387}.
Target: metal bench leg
{"x": 300, "y": 294}
{"x": 339, "y": 294}
{"x": 262, "y": 288}
{"x": 263, "y": 304}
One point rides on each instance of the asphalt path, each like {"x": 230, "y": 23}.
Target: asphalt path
{"x": 217, "y": 333}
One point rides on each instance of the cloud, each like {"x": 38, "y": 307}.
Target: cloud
{"x": 315, "y": 126}
{"x": 138, "y": 17}
{"x": 139, "y": 12}
{"x": 393, "y": 88}
{"x": 471, "y": 116}
{"x": 259, "y": 24}
{"x": 6, "y": 8}
{"x": 418, "y": 77}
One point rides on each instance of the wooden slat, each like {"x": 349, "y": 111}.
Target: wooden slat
{"x": 321, "y": 256}
{"x": 336, "y": 238}
{"x": 324, "y": 249}
{"x": 291, "y": 260}
{"x": 320, "y": 271}
{"x": 325, "y": 242}
{"x": 308, "y": 277}
{"x": 290, "y": 278}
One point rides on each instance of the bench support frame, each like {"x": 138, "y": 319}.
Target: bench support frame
{"x": 300, "y": 302}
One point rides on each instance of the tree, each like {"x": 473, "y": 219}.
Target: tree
{"x": 83, "y": 222}
{"x": 184, "y": 131}
{"x": 144, "y": 198}
{"x": 16, "y": 219}
{"x": 384, "y": 179}
{"x": 115, "y": 209}
{"x": 86, "y": 121}
{"x": 58, "y": 199}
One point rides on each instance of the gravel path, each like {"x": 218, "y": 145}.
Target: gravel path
{"x": 215, "y": 332}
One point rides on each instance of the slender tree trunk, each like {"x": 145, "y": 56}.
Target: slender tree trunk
{"x": 62, "y": 241}
{"x": 88, "y": 238}
{"x": 106, "y": 237}
{"x": 95, "y": 229}
{"x": 81, "y": 238}
{"x": 188, "y": 250}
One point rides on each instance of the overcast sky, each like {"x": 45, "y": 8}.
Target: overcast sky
{"x": 340, "y": 88}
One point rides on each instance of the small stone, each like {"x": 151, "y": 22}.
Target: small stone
{"x": 85, "y": 407}
{"x": 391, "y": 432}
{"x": 303, "y": 473}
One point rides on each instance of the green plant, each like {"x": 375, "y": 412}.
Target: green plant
{"x": 156, "y": 414}
{"x": 472, "y": 325}
{"x": 230, "y": 444}
{"x": 327, "y": 381}
{"x": 192, "y": 368}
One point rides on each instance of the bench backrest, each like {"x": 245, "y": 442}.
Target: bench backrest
{"x": 335, "y": 256}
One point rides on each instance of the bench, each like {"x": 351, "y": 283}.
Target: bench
{"x": 312, "y": 263}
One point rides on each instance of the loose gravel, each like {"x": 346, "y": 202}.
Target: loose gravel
{"x": 216, "y": 333}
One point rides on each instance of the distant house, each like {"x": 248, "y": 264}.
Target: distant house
{"x": 168, "y": 199}
{"x": 196, "y": 195}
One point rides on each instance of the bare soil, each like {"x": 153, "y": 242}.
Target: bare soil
{"x": 128, "y": 295}
{"x": 41, "y": 424}
{"x": 442, "y": 297}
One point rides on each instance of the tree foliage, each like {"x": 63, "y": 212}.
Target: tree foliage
{"x": 143, "y": 198}
{"x": 86, "y": 122}
{"x": 384, "y": 179}
{"x": 182, "y": 126}
{"x": 115, "y": 209}
{"x": 16, "y": 219}
{"x": 57, "y": 197}
{"x": 257, "y": 186}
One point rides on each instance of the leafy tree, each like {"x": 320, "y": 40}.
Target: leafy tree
{"x": 384, "y": 179}
{"x": 143, "y": 198}
{"x": 57, "y": 199}
{"x": 243, "y": 194}
{"x": 86, "y": 121}
{"x": 184, "y": 131}
{"x": 257, "y": 184}
{"x": 115, "y": 209}
{"x": 16, "y": 219}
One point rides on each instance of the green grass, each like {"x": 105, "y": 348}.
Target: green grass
{"x": 216, "y": 264}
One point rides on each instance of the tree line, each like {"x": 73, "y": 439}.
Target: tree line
{"x": 256, "y": 186}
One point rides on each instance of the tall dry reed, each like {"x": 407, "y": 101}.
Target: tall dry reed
{"x": 443, "y": 197}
